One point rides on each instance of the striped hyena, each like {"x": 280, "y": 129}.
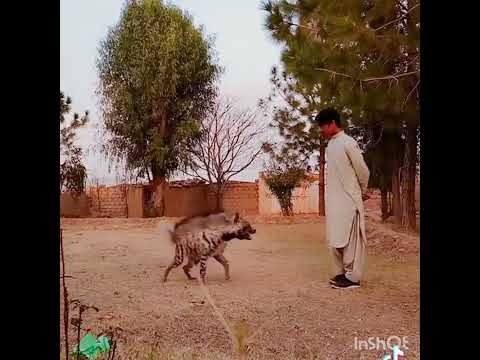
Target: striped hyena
{"x": 200, "y": 242}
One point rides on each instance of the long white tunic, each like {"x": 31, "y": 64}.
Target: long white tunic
{"x": 347, "y": 178}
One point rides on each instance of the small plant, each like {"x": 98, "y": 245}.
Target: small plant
{"x": 284, "y": 172}
{"x": 282, "y": 183}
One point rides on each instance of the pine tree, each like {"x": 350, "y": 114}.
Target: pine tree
{"x": 73, "y": 173}
{"x": 294, "y": 107}
{"x": 364, "y": 56}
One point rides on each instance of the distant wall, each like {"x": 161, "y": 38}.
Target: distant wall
{"x": 191, "y": 200}
{"x": 186, "y": 200}
{"x": 74, "y": 206}
{"x": 135, "y": 201}
{"x": 108, "y": 201}
{"x": 241, "y": 197}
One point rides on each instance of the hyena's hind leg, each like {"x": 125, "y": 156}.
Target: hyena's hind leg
{"x": 203, "y": 267}
{"x": 187, "y": 267}
{"x": 177, "y": 261}
{"x": 222, "y": 260}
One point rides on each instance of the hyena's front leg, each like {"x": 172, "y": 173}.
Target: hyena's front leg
{"x": 203, "y": 267}
{"x": 222, "y": 260}
{"x": 177, "y": 261}
{"x": 188, "y": 267}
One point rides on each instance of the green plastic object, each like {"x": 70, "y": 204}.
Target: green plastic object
{"x": 91, "y": 347}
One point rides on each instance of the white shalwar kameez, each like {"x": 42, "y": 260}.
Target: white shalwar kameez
{"x": 347, "y": 179}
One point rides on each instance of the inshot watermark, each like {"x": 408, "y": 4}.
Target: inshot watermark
{"x": 377, "y": 343}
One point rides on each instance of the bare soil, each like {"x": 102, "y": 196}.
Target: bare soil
{"x": 279, "y": 282}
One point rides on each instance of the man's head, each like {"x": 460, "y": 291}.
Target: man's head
{"x": 329, "y": 122}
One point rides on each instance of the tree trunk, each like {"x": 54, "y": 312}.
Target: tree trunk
{"x": 159, "y": 183}
{"x": 321, "y": 179}
{"x": 408, "y": 215}
{"x": 385, "y": 209}
{"x": 158, "y": 170}
{"x": 389, "y": 203}
{"x": 396, "y": 206}
{"x": 159, "y": 195}
{"x": 409, "y": 168}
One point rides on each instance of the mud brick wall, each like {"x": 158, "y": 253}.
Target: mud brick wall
{"x": 186, "y": 200}
{"x": 239, "y": 197}
{"x": 74, "y": 206}
{"x": 107, "y": 201}
{"x": 191, "y": 200}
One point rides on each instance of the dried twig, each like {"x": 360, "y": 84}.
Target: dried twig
{"x": 411, "y": 92}
{"x": 386, "y": 77}
{"x": 399, "y": 18}
{"x": 65, "y": 297}
{"x": 77, "y": 322}
{"x": 334, "y": 72}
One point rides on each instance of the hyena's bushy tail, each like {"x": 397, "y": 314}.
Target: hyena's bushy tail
{"x": 172, "y": 238}
{"x": 165, "y": 230}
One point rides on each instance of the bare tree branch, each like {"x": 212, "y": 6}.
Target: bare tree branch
{"x": 229, "y": 144}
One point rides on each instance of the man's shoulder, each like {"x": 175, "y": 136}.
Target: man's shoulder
{"x": 348, "y": 140}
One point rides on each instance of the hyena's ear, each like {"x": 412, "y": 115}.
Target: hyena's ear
{"x": 236, "y": 218}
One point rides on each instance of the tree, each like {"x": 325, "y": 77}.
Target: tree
{"x": 157, "y": 81}
{"x": 294, "y": 119}
{"x": 364, "y": 55}
{"x": 284, "y": 172}
{"x": 229, "y": 144}
{"x": 73, "y": 173}
{"x": 383, "y": 155}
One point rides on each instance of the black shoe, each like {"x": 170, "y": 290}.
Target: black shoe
{"x": 337, "y": 278}
{"x": 345, "y": 284}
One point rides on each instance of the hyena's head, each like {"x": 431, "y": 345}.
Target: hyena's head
{"x": 240, "y": 229}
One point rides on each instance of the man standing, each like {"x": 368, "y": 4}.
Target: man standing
{"x": 347, "y": 180}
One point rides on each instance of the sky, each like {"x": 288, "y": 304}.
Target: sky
{"x": 244, "y": 49}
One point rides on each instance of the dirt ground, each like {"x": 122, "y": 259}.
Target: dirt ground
{"x": 279, "y": 283}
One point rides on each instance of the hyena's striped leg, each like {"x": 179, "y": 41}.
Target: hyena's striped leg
{"x": 177, "y": 261}
{"x": 222, "y": 260}
{"x": 188, "y": 267}
{"x": 203, "y": 267}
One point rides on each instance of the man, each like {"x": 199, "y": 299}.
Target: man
{"x": 347, "y": 180}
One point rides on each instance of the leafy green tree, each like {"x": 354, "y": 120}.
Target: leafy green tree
{"x": 157, "y": 81}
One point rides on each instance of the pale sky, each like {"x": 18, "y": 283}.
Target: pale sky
{"x": 244, "y": 49}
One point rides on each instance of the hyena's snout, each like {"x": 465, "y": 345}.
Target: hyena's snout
{"x": 247, "y": 231}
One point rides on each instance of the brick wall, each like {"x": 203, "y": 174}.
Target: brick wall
{"x": 74, "y": 206}
{"x": 107, "y": 201}
{"x": 190, "y": 200}
{"x": 239, "y": 196}
{"x": 186, "y": 200}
